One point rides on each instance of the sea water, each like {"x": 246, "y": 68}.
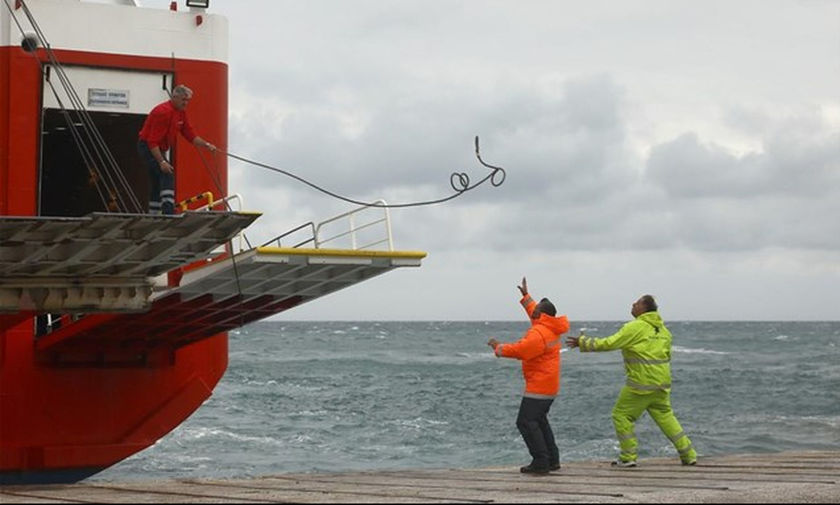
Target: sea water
{"x": 345, "y": 396}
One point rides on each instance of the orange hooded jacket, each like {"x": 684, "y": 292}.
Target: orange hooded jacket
{"x": 539, "y": 350}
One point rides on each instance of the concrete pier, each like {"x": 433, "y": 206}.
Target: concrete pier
{"x": 785, "y": 477}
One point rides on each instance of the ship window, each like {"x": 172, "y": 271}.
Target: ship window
{"x": 66, "y": 187}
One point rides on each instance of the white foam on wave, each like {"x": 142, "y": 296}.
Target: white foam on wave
{"x": 301, "y": 438}
{"x": 270, "y": 382}
{"x": 185, "y": 458}
{"x": 475, "y": 356}
{"x": 419, "y": 423}
{"x": 690, "y": 350}
{"x": 311, "y": 413}
{"x": 204, "y": 432}
{"x": 782, "y": 337}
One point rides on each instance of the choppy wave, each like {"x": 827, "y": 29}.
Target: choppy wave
{"x": 347, "y": 396}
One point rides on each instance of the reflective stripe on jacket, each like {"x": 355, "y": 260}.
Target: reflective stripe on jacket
{"x": 645, "y": 344}
{"x": 539, "y": 350}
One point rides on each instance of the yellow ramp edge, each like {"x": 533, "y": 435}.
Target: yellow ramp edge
{"x": 355, "y": 253}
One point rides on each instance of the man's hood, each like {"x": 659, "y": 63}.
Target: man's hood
{"x": 557, "y": 324}
{"x": 653, "y": 318}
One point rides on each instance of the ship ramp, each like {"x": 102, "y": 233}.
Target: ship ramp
{"x": 103, "y": 261}
{"x": 131, "y": 290}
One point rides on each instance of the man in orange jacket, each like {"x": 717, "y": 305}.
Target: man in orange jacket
{"x": 539, "y": 351}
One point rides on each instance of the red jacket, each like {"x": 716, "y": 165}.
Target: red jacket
{"x": 163, "y": 123}
{"x": 539, "y": 350}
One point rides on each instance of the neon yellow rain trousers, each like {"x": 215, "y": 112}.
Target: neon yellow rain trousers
{"x": 645, "y": 344}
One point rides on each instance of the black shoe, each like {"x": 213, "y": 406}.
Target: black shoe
{"x": 554, "y": 467}
{"x": 538, "y": 470}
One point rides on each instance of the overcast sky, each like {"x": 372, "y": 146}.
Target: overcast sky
{"x": 686, "y": 149}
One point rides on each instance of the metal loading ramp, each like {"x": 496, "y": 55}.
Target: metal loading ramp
{"x": 102, "y": 262}
{"x": 224, "y": 295}
{"x": 285, "y": 272}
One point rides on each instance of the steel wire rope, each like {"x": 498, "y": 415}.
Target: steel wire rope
{"x": 114, "y": 180}
{"x": 87, "y": 157}
{"x": 84, "y": 121}
{"x": 112, "y": 177}
{"x": 459, "y": 181}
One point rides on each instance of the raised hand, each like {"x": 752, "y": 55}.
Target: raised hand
{"x": 523, "y": 288}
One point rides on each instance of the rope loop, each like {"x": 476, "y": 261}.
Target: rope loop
{"x": 459, "y": 181}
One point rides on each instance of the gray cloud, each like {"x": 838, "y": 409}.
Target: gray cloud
{"x": 570, "y": 168}
{"x": 798, "y": 158}
{"x": 688, "y": 149}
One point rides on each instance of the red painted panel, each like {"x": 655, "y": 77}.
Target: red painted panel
{"x": 48, "y": 411}
{"x": 24, "y": 85}
{"x": 4, "y": 128}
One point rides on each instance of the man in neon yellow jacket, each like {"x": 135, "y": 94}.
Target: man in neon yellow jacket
{"x": 645, "y": 344}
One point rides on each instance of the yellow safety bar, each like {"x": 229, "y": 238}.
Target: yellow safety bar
{"x": 207, "y": 194}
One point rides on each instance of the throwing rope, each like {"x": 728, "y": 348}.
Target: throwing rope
{"x": 459, "y": 181}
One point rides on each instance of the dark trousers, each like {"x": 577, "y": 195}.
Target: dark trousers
{"x": 532, "y": 422}
{"x": 161, "y": 184}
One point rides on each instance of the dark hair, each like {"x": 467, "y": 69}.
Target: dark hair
{"x": 649, "y": 303}
{"x": 546, "y": 307}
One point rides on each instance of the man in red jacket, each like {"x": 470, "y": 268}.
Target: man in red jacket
{"x": 156, "y": 137}
{"x": 539, "y": 351}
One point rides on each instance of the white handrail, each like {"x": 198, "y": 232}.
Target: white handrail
{"x": 353, "y": 228}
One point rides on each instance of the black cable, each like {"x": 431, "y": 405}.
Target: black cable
{"x": 459, "y": 181}
{"x": 214, "y": 175}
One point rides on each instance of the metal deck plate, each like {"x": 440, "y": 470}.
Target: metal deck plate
{"x": 285, "y": 272}
{"x": 111, "y": 245}
{"x": 102, "y": 262}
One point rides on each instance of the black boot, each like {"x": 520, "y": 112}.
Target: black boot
{"x": 535, "y": 469}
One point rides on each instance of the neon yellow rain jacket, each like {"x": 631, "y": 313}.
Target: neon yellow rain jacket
{"x": 645, "y": 344}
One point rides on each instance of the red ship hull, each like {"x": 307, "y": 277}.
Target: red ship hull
{"x": 64, "y": 423}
